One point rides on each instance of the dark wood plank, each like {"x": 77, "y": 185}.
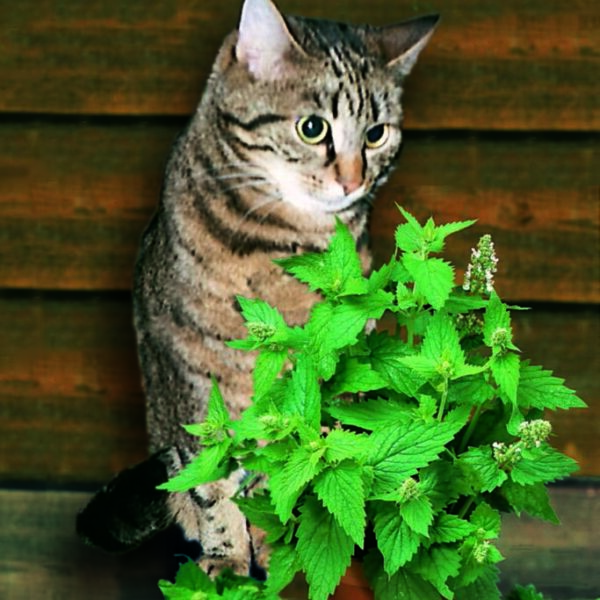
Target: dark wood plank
{"x": 74, "y": 200}
{"x": 493, "y": 64}
{"x": 71, "y": 409}
{"x": 40, "y": 552}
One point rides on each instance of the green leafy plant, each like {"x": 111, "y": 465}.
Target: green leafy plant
{"x": 400, "y": 444}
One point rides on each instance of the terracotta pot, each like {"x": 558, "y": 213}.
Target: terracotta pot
{"x": 353, "y": 586}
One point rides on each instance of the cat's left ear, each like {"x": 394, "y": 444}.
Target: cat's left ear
{"x": 401, "y": 44}
{"x": 264, "y": 42}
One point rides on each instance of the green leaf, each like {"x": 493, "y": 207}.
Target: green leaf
{"x": 331, "y": 328}
{"x": 387, "y": 354}
{"x": 409, "y": 236}
{"x": 525, "y": 593}
{"x": 443, "y": 231}
{"x": 436, "y": 565}
{"x": 371, "y": 414}
{"x": 287, "y": 484}
{"x": 400, "y": 449}
{"x": 434, "y": 278}
{"x": 260, "y": 512}
{"x": 539, "y": 389}
{"x": 191, "y": 583}
{"x": 262, "y": 320}
{"x": 324, "y": 548}
{"x": 337, "y": 272}
{"x": 497, "y": 330}
{"x": 284, "y": 563}
{"x": 213, "y": 429}
{"x": 341, "y": 444}
{"x": 404, "y": 584}
{"x": 487, "y": 520}
{"x": 450, "y": 528}
{"x": 506, "y": 370}
{"x": 417, "y": 514}
{"x": 206, "y": 467}
{"x": 532, "y": 499}
{"x": 481, "y": 470}
{"x": 470, "y": 391}
{"x": 543, "y": 464}
{"x": 268, "y": 365}
{"x": 355, "y": 377}
{"x": 396, "y": 540}
{"x": 340, "y": 488}
{"x": 485, "y": 586}
{"x": 304, "y": 397}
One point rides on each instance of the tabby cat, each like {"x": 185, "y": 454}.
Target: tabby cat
{"x": 299, "y": 123}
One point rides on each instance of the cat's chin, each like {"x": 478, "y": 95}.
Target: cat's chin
{"x": 327, "y": 207}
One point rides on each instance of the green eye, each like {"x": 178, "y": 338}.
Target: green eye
{"x": 377, "y": 136}
{"x": 312, "y": 130}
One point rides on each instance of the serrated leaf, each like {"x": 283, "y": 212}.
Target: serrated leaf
{"x": 267, "y": 366}
{"x": 443, "y": 231}
{"x": 532, "y": 499}
{"x": 485, "y": 586}
{"x": 304, "y": 394}
{"x": 206, "y": 467}
{"x": 470, "y": 391}
{"x": 191, "y": 583}
{"x": 324, "y": 548}
{"x": 287, "y": 484}
{"x": 397, "y": 542}
{"x": 434, "y": 278}
{"x": 417, "y": 514}
{"x": 371, "y": 414}
{"x": 487, "y": 519}
{"x": 404, "y": 584}
{"x": 539, "y": 389}
{"x": 450, "y": 528}
{"x": 409, "y": 236}
{"x": 310, "y": 268}
{"x": 331, "y": 328}
{"x": 436, "y": 565}
{"x": 480, "y": 468}
{"x": 543, "y": 464}
{"x": 441, "y": 343}
{"x": 261, "y": 513}
{"x": 356, "y": 376}
{"x": 400, "y": 449}
{"x": 262, "y": 320}
{"x": 341, "y": 444}
{"x": 284, "y": 563}
{"x": 506, "y": 371}
{"x": 340, "y": 488}
{"x": 387, "y": 354}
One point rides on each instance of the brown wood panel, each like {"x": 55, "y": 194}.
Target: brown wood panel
{"x": 493, "y": 64}
{"x": 40, "y": 552}
{"x": 71, "y": 409}
{"x": 74, "y": 200}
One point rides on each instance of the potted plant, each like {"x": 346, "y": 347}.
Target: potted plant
{"x": 398, "y": 445}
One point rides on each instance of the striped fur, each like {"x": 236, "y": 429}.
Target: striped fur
{"x": 242, "y": 188}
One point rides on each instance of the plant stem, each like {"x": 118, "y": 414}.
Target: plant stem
{"x": 443, "y": 402}
{"x": 470, "y": 429}
{"x": 463, "y": 511}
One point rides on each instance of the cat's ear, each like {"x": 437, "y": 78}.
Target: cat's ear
{"x": 264, "y": 41}
{"x": 401, "y": 44}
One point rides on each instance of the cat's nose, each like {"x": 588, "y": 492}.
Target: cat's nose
{"x": 349, "y": 173}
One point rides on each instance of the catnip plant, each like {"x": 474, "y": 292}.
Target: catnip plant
{"x": 399, "y": 444}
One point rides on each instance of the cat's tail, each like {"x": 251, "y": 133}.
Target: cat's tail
{"x": 128, "y": 510}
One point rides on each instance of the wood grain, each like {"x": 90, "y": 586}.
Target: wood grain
{"x": 71, "y": 409}
{"x": 40, "y": 551}
{"x": 74, "y": 199}
{"x": 493, "y": 64}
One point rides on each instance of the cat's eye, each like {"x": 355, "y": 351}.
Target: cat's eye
{"x": 312, "y": 129}
{"x": 377, "y": 136}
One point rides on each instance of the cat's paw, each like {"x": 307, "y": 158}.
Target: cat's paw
{"x": 214, "y": 565}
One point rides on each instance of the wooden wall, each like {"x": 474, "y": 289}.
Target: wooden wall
{"x": 502, "y": 123}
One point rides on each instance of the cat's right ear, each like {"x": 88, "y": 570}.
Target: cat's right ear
{"x": 264, "y": 42}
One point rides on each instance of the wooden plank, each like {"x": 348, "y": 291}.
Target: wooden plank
{"x": 40, "y": 551}
{"x": 493, "y": 64}
{"x": 74, "y": 200}
{"x": 71, "y": 409}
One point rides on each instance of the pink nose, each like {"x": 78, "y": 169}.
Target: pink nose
{"x": 350, "y": 186}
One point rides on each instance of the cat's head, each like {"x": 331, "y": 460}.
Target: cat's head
{"x": 315, "y": 105}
